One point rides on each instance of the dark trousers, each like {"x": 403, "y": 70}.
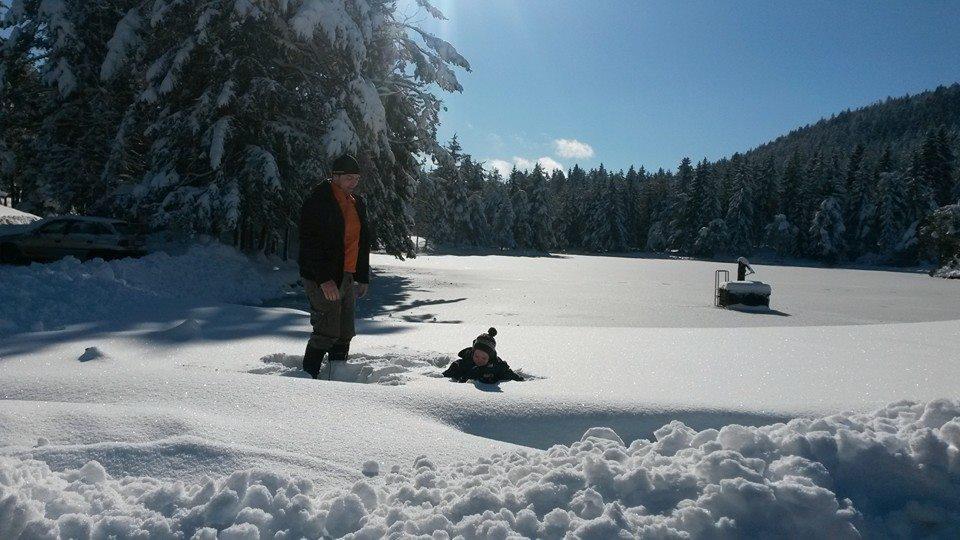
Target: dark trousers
{"x": 332, "y": 321}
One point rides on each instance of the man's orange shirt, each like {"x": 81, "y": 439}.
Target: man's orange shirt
{"x": 351, "y": 227}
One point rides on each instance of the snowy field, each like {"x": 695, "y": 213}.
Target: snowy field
{"x": 143, "y": 398}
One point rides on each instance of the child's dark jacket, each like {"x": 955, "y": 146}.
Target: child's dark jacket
{"x": 495, "y": 371}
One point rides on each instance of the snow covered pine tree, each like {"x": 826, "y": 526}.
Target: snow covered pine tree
{"x": 213, "y": 116}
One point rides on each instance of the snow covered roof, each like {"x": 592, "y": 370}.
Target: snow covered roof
{"x": 12, "y": 216}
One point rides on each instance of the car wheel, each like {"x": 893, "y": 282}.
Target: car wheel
{"x": 11, "y": 254}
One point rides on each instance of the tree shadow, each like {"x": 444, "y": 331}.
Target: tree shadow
{"x": 171, "y": 325}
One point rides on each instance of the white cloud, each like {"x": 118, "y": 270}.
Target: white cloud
{"x": 523, "y": 164}
{"x": 547, "y": 163}
{"x": 572, "y": 148}
{"x": 501, "y": 165}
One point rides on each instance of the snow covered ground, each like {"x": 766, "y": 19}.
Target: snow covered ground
{"x": 154, "y": 402}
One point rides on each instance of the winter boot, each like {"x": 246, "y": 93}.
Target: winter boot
{"x": 339, "y": 351}
{"x": 312, "y": 360}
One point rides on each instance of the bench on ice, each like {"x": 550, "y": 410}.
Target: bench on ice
{"x": 741, "y": 292}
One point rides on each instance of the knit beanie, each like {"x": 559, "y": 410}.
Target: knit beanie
{"x": 345, "y": 164}
{"x": 486, "y": 343}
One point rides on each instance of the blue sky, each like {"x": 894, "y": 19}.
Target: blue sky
{"x": 647, "y": 83}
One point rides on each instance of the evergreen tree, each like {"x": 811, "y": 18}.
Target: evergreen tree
{"x": 893, "y": 211}
{"x": 767, "y": 191}
{"x": 936, "y": 165}
{"x": 791, "y": 194}
{"x": 477, "y": 221}
{"x": 606, "y": 229}
{"x": 573, "y": 214}
{"x": 631, "y": 194}
{"x": 828, "y": 234}
{"x": 523, "y": 234}
{"x": 67, "y": 42}
{"x": 712, "y": 239}
{"x": 540, "y": 214}
{"x": 686, "y": 219}
{"x": 741, "y": 214}
{"x": 233, "y": 151}
{"x": 781, "y": 236}
{"x": 941, "y": 234}
{"x": 502, "y": 224}
{"x": 22, "y": 98}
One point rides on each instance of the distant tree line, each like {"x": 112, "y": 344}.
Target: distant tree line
{"x": 889, "y": 204}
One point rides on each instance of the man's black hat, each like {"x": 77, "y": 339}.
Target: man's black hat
{"x": 345, "y": 164}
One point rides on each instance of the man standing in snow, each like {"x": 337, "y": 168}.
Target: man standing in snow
{"x": 334, "y": 262}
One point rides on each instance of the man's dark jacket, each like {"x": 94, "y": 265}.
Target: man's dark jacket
{"x": 321, "y": 238}
{"x": 495, "y": 371}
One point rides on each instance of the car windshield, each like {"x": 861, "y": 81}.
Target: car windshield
{"x": 59, "y": 226}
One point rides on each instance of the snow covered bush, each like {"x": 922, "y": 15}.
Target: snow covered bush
{"x": 894, "y": 472}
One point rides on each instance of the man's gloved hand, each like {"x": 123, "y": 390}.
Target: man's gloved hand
{"x": 361, "y": 289}
{"x": 330, "y": 290}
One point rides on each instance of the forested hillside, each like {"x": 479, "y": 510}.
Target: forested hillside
{"x": 878, "y": 185}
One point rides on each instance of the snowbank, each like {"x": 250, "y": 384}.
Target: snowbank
{"x": 12, "y": 216}
{"x": 949, "y": 271}
{"x": 45, "y": 296}
{"x": 895, "y": 472}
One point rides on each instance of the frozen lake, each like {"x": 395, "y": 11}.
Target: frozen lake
{"x": 580, "y": 290}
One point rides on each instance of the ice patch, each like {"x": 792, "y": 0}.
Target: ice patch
{"x": 895, "y": 472}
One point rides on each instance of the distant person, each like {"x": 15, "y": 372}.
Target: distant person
{"x": 481, "y": 363}
{"x": 334, "y": 262}
{"x": 743, "y": 269}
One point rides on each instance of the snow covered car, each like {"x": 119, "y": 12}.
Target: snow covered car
{"x": 78, "y": 236}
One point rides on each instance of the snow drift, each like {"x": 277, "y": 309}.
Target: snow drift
{"x": 893, "y": 472}
{"x": 45, "y": 296}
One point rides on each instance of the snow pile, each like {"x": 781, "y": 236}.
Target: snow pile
{"x": 895, "y": 472}
{"x": 45, "y": 296}
{"x": 12, "y": 216}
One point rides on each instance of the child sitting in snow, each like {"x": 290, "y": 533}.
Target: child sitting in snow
{"x": 480, "y": 362}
